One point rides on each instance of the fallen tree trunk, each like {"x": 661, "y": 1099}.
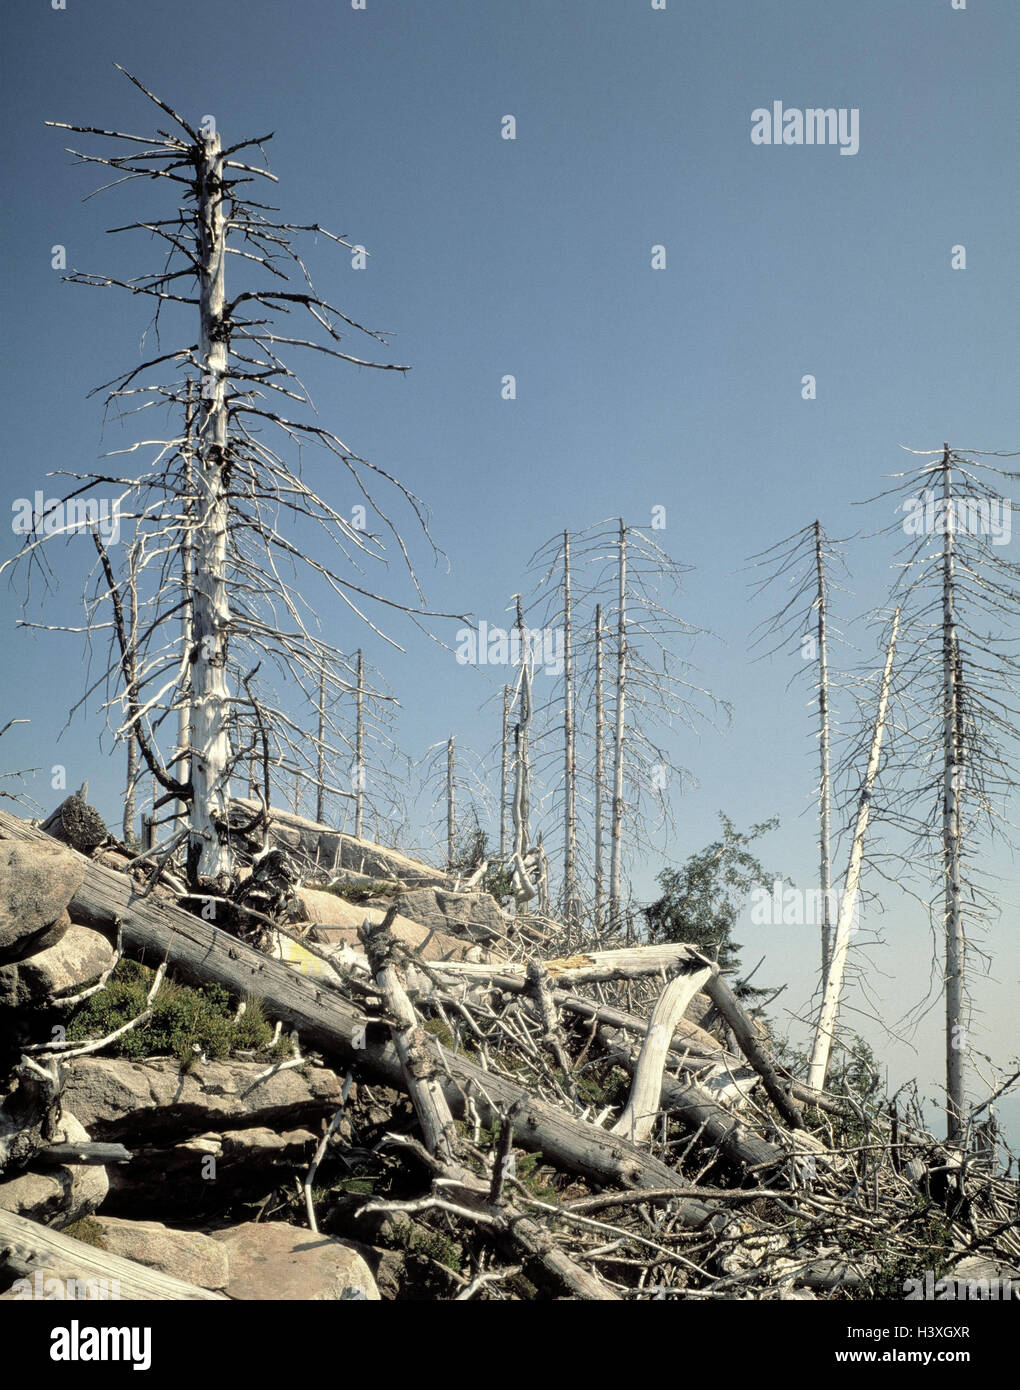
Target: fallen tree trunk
{"x": 525, "y": 1235}
{"x": 26, "y": 1247}
{"x": 642, "y": 1106}
{"x": 747, "y": 1036}
{"x": 202, "y": 952}
{"x": 696, "y": 1110}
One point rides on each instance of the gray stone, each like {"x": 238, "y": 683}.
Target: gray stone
{"x": 471, "y": 916}
{"x": 62, "y": 1194}
{"x": 80, "y": 956}
{"x": 37, "y": 881}
{"x": 271, "y": 1260}
{"x": 189, "y": 1255}
{"x": 148, "y": 1100}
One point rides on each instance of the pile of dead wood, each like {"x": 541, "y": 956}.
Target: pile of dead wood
{"x": 608, "y": 1123}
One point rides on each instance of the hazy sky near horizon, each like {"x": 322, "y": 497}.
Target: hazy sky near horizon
{"x": 636, "y": 387}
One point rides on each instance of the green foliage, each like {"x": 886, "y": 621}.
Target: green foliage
{"x": 183, "y": 1018}
{"x": 702, "y": 899}
{"x": 427, "y": 1244}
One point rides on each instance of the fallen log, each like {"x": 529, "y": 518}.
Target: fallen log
{"x": 747, "y": 1036}
{"x": 524, "y": 1234}
{"x": 83, "y": 1154}
{"x": 642, "y": 1108}
{"x": 27, "y": 1247}
{"x": 696, "y": 1110}
{"x": 325, "y": 1020}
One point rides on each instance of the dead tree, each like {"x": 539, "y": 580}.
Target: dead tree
{"x": 954, "y": 766}
{"x": 803, "y": 564}
{"x": 848, "y": 908}
{"x": 208, "y": 517}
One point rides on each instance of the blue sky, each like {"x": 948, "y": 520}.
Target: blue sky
{"x": 635, "y": 387}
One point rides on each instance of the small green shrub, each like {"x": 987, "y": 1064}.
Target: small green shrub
{"x": 183, "y": 1019}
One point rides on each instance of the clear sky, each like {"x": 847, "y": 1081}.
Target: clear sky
{"x": 635, "y": 387}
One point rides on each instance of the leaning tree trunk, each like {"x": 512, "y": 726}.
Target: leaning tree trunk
{"x": 825, "y": 865}
{"x": 616, "y": 830}
{"x": 841, "y": 945}
{"x": 952, "y": 754}
{"x": 209, "y": 856}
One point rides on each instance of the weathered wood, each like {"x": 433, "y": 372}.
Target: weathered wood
{"x": 697, "y": 1110}
{"x": 642, "y": 1106}
{"x": 825, "y": 1031}
{"x": 85, "y": 1154}
{"x": 25, "y": 1247}
{"x": 436, "y": 1121}
{"x": 751, "y": 1044}
{"x": 199, "y": 950}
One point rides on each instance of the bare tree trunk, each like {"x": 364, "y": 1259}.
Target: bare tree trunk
{"x": 569, "y": 762}
{"x": 503, "y": 774}
{"x": 524, "y": 891}
{"x": 616, "y": 831}
{"x": 824, "y": 793}
{"x": 952, "y": 754}
{"x": 847, "y": 908}
{"x": 187, "y": 597}
{"x": 600, "y": 765}
{"x": 359, "y": 750}
{"x": 132, "y": 695}
{"x": 320, "y": 757}
{"x": 210, "y": 855}
{"x": 451, "y": 821}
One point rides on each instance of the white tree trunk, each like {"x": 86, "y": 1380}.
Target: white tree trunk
{"x": 569, "y": 769}
{"x": 848, "y": 904}
{"x": 952, "y": 752}
{"x": 638, "y": 1117}
{"x": 503, "y": 764}
{"x": 210, "y": 857}
{"x": 825, "y": 865}
{"x": 600, "y": 766}
{"x": 359, "y": 750}
{"x": 616, "y": 831}
{"x": 187, "y": 600}
{"x": 451, "y": 822}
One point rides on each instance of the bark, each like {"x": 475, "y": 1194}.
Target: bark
{"x": 600, "y": 757}
{"x": 616, "y": 827}
{"x": 503, "y": 774}
{"x": 848, "y": 904}
{"x": 422, "y": 1081}
{"x": 642, "y": 1108}
{"x": 359, "y": 750}
{"x": 696, "y": 1110}
{"x": 751, "y": 1045}
{"x": 210, "y": 858}
{"x": 451, "y": 826}
{"x": 570, "y": 905}
{"x": 825, "y": 860}
{"x": 952, "y": 754}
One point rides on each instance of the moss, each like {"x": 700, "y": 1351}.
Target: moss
{"x": 363, "y": 892}
{"x": 87, "y": 1230}
{"x": 429, "y": 1245}
{"x": 438, "y": 1029}
{"x": 183, "y": 1019}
